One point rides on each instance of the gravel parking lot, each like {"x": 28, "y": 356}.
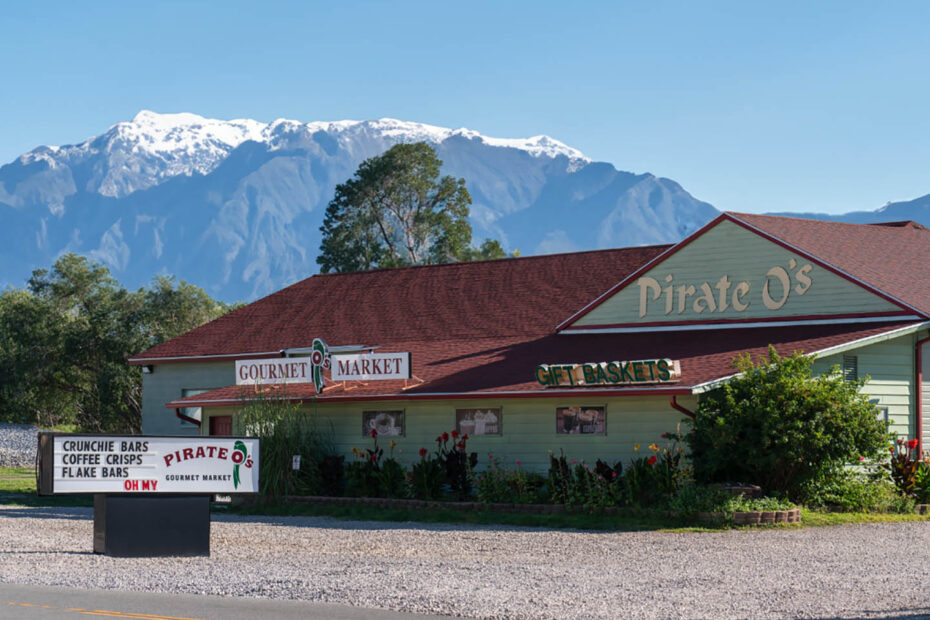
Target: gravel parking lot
{"x": 502, "y": 572}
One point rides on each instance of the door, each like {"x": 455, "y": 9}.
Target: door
{"x": 221, "y": 425}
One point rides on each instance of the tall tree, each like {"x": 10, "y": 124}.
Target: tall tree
{"x": 396, "y": 210}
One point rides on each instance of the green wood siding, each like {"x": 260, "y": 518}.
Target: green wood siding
{"x": 890, "y": 368}
{"x": 925, "y": 392}
{"x": 743, "y": 256}
{"x": 528, "y": 428}
{"x": 167, "y": 383}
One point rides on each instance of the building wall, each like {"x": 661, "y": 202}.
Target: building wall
{"x": 744, "y": 257}
{"x": 890, "y": 368}
{"x": 528, "y": 428}
{"x": 167, "y": 382}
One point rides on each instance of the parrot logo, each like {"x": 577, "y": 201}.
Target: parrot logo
{"x": 240, "y": 456}
{"x": 319, "y": 358}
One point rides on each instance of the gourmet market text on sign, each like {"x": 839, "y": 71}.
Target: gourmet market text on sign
{"x": 608, "y": 373}
{"x": 145, "y": 464}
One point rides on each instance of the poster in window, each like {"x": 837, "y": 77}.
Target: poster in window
{"x": 475, "y": 422}
{"x": 580, "y": 420}
{"x": 387, "y": 423}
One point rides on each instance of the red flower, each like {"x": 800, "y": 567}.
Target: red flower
{"x": 891, "y": 450}
{"x": 518, "y": 463}
{"x": 373, "y": 458}
{"x": 460, "y": 445}
{"x": 445, "y": 436}
{"x": 900, "y": 441}
{"x": 651, "y": 460}
{"x": 465, "y": 437}
{"x": 422, "y": 452}
{"x": 455, "y": 434}
{"x": 374, "y": 432}
{"x": 912, "y": 444}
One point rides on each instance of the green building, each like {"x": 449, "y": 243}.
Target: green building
{"x": 589, "y": 353}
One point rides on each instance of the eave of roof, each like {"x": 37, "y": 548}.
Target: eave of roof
{"x": 496, "y": 370}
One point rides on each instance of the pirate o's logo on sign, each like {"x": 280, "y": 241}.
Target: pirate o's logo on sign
{"x": 239, "y": 456}
{"x": 320, "y": 360}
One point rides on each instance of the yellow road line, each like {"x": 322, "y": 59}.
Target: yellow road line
{"x": 105, "y": 612}
{"x": 124, "y": 614}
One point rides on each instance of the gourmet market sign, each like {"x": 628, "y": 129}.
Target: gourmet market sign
{"x": 609, "y": 373}
{"x": 147, "y": 464}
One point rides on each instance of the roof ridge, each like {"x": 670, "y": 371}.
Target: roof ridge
{"x": 893, "y": 224}
{"x": 492, "y": 260}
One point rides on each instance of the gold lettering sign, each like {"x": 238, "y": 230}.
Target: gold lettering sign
{"x": 777, "y": 285}
{"x": 608, "y": 373}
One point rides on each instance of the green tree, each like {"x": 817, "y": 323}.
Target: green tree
{"x": 396, "y": 211}
{"x": 778, "y": 426}
{"x": 65, "y": 339}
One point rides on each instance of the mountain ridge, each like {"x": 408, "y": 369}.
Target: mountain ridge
{"x": 235, "y": 206}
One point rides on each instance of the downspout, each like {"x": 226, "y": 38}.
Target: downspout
{"x": 919, "y": 397}
{"x": 186, "y": 418}
{"x": 673, "y": 401}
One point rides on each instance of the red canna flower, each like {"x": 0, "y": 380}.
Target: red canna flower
{"x": 422, "y": 452}
{"x": 465, "y": 437}
{"x": 374, "y": 432}
{"x": 373, "y": 458}
{"x": 912, "y": 444}
{"x": 455, "y": 434}
{"x": 518, "y": 463}
{"x": 445, "y": 436}
{"x": 651, "y": 460}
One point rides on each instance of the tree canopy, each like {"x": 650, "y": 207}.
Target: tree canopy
{"x": 65, "y": 339}
{"x": 397, "y": 211}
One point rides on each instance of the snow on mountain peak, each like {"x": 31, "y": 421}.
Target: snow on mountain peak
{"x": 153, "y": 147}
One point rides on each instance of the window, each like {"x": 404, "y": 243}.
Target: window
{"x": 850, "y": 368}
{"x": 191, "y": 412}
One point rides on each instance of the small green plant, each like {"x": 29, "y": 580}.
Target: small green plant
{"x": 426, "y": 477}
{"x": 362, "y": 474}
{"x": 392, "y": 477}
{"x": 904, "y": 466}
{"x": 457, "y": 463}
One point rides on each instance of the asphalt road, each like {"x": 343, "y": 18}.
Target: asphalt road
{"x": 22, "y": 602}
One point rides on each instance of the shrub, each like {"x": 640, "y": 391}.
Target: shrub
{"x": 869, "y": 490}
{"x": 499, "y": 485}
{"x": 778, "y": 426}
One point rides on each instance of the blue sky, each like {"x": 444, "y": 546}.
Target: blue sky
{"x": 791, "y": 106}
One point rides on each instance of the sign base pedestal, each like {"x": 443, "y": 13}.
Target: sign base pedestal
{"x": 133, "y": 526}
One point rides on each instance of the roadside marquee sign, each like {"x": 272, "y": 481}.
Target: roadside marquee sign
{"x": 145, "y": 464}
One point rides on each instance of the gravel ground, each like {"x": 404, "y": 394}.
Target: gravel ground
{"x": 875, "y": 570}
{"x": 17, "y": 445}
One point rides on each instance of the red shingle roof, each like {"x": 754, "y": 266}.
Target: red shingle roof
{"x": 517, "y": 298}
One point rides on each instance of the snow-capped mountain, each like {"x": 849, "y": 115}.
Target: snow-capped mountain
{"x": 236, "y": 206}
